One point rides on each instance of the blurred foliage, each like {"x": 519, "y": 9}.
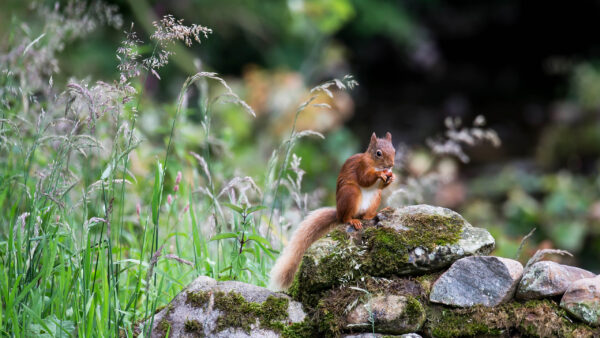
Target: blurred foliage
{"x": 562, "y": 207}
{"x": 272, "y": 52}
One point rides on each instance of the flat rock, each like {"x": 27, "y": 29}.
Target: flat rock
{"x": 392, "y": 314}
{"x": 582, "y": 300}
{"x": 548, "y": 279}
{"x": 226, "y": 309}
{"x": 482, "y": 280}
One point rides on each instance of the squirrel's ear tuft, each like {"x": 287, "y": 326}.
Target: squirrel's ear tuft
{"x": 373, "y": 138}
{"x": 388, "y": 136}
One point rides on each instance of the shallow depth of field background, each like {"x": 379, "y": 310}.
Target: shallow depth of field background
{"x": 531, "y": 69}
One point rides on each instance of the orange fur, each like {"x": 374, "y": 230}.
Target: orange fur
{"x": 360, "y": 171}
{"x": 315, "y": 226}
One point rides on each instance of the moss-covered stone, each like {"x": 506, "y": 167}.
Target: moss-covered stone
{"x": 414, "y": 311}
{"x": 386, "y": 313}
{"x": 208, "y": 307}
{"x": 428, "y": 230}
{"x": 337, "y": 307}
{"x": 537, "y": 318}
{"x": 388, "y": 247}
{"x": 327, "y": 264}
{"x": 385, "y": 250}
{"x": 398, "y": 242}
{"x": 240, "y": 313}
{"x": 331, "y": 309}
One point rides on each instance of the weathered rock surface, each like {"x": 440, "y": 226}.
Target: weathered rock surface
{"x": 582, "y": 300}
{"x": 483, "y": 280}
{"x": 548, "y": 279}
{"x": 227, "y": 309}
{"x": 391, "y": 314}
{"x": 398, "y": 242}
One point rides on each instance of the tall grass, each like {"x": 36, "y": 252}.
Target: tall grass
{"x": 87, "y": 246}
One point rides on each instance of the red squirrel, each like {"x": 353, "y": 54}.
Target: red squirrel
{"x": 357, "y": 195}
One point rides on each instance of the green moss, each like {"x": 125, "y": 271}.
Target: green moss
{"x": 414, "y": 310}
{"x": 386, "y": 251}
{"x": 194, "y": 326}
{"x": 298, "y": 330}
{"x": 305, "y": 288}
{"x": 329, "y": 324}
{"x": 271, "y": 314}
{"x": 429, "y": 231}
{"x": 331, "y": 310}
{"x": 388, "y": 248}
{"x": 197, "y": 298}
{"x": 164, "y": 327}
{"x": 339, "y": 235}
{"x": 241, "y": 313}
{"x": 322, "y": 269}
{"x": 450, "y": 323}
{"x": 159, "y": 308}
{"x": 426, "y": 282}
{"x": 538, "y": 318}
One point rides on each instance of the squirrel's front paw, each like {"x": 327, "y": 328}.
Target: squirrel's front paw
{"x": 356, "y": 224}
{"x": 390, "y": 179}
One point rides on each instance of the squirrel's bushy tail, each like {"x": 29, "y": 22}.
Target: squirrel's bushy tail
{"x": 315, "y": 225}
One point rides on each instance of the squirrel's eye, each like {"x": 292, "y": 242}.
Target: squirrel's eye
{"x": 378, "y": 153}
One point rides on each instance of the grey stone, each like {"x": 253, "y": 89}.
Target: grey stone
{"x": 582, "y": 300}
{"x": 181, "y": 311}
{"x": 391, "y": 314}
{"x": 548, "y": 279}
{"x": 483, "y": 280}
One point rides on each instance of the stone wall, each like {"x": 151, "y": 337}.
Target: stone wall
{"x": 417, "y": 270}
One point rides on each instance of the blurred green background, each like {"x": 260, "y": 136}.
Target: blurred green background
{"x": 531, "y": 68}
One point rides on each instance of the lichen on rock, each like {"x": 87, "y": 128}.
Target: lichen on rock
{"x": 582, "y": 300}
{"x": 548, "y": 279}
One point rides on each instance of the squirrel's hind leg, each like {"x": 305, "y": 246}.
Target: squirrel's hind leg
{"x": 348, "y": 202}
{"x": 372, "y": 211}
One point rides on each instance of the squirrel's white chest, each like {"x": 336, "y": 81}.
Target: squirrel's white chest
{"x": 369, "y": 195}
